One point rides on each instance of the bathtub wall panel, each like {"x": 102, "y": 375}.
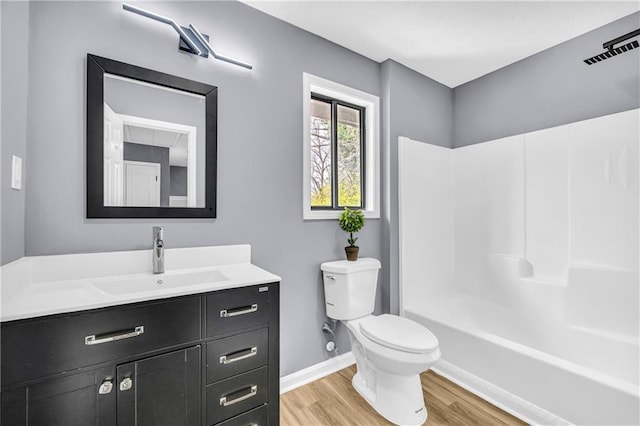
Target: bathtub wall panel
{"x": 532, "y": 207}
{"x": 489, "y": 216}
{"x": 551, "y": 213}
{"x": 604, "y": 191}
{"x": 603, "y": 301}
{"x": 471, "y": 232}
{"x": 426, "y": 221}
{"x": 503, "y": 161}
{"x": 547, "y": 203}
{"x": 603, "y": 282}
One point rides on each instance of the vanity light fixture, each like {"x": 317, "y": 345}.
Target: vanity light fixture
{"x": 191, "y": 40}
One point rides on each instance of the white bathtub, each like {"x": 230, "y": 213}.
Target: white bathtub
{"x": 573, "y": 373}
{"x": 522, "y": 255}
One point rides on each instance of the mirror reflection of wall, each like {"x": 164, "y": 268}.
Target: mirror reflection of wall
{"x": 154, "y": 143}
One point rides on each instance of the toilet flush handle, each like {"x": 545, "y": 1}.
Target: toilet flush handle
{"x": 331, "y": 277}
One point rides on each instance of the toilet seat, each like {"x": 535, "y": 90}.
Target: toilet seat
{"x": 399, "y": 333}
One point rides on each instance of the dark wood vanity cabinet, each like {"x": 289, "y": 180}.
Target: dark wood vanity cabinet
{"x": 193, "y": 360}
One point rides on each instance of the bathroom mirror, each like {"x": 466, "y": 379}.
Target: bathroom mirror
{"x": 151, "y": 143}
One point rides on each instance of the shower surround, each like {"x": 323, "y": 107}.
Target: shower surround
{"x": 521, "y": 255}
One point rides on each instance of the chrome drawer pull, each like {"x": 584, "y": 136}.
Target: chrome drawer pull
{"x": 225, "y": 359}
{"x": 252, "y": 392}
{"x": 93, "y": 340}
{"x": 228, "y": 313}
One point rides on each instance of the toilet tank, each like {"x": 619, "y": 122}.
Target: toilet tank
{"x": 350, "y": 287}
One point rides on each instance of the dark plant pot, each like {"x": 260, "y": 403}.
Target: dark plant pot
{"x": 352, "y": 252}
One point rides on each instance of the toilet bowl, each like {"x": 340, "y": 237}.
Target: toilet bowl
{"x": 390, "y": 351}
{"x": 388, "y": 377}
{"x": 395, "y": 344}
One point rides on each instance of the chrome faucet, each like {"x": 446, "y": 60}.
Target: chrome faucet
{"x": 158, "y": 250}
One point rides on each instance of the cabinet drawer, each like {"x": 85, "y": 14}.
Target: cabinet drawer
{"x": 237, "y": 354}
{"x": 236, "y": 395}
{"x": 40, "y": 347}
{"x": 238, "y": 309}
{"x": 257, "y": 417}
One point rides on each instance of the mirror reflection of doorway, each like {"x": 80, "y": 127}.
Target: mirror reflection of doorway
{"x": 138, "y": 141}
{"x": 142, "y": 184}
{"x": 113, "y": 166}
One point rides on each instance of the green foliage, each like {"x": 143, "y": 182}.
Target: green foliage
{"x": 351, "y": 221}
{"x": 348, "y": 195}
{"x": 348, "y": 165}
{"x": 322, "y": 197}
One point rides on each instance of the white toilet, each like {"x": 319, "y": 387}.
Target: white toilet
{"x": 390, "y": 351}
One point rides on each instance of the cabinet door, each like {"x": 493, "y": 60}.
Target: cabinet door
{"x": 161, "y": 390}
{"x": 80, "y": 399}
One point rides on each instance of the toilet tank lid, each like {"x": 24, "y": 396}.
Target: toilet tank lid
{"x": 348, "y": 266}
{"x": 399, "y": 333}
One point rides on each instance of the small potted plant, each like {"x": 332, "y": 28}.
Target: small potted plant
{"x": 351, "y": 221}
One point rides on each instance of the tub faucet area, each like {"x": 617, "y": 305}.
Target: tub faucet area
{"x": 158, "y": 250}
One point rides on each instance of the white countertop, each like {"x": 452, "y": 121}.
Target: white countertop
{"x": 45, "y": 285}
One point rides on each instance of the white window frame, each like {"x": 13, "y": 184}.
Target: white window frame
{"x": 371, "y": 104}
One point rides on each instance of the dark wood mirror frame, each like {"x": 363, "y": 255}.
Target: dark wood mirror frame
{"x": 96, "y": 68}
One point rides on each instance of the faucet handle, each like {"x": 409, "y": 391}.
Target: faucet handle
{"x": 158, "y": 250}
{"x": 157, "y": 232}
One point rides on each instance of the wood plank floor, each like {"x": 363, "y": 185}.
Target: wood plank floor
{"x": 332, "y": 401}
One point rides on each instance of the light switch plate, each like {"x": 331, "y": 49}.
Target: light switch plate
{"x": 16, "y": 173}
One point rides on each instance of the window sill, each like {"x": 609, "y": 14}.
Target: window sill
{"x": 335, "y": 214}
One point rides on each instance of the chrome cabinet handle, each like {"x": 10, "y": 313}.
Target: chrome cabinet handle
{"x": 227, "y": 359}
{"x": 105, "y": 387}
{"x": 96, "y": 340}
{"x": 227, "y": 313}
{"x": 252, "y": 392}
{"x": 126, "y": 384}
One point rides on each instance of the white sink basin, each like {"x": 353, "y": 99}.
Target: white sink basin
{"x": 35, "y": 286}
{"x": 159, "y": 282}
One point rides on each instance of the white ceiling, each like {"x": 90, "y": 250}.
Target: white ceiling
{"x": 176, "y": 142}
{"x": 449, "y": 41}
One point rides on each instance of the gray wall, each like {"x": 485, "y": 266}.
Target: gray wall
{"x": 259, "y": 143}
{"x": 550, "y": 88}
{"x": 152, "y": 154}
{"x": 14, "y": 26}
{"x": 420, "y": 108}
{"x": 179, "y": 185}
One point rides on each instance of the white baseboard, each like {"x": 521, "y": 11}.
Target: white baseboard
{"x": 315, "y": 372}
{"x": 512, "y": 404}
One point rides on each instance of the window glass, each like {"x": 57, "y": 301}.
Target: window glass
{"x": 336, "y": 154}
{"x": 321, "y": 154}
{"x": 349, "y": 157}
